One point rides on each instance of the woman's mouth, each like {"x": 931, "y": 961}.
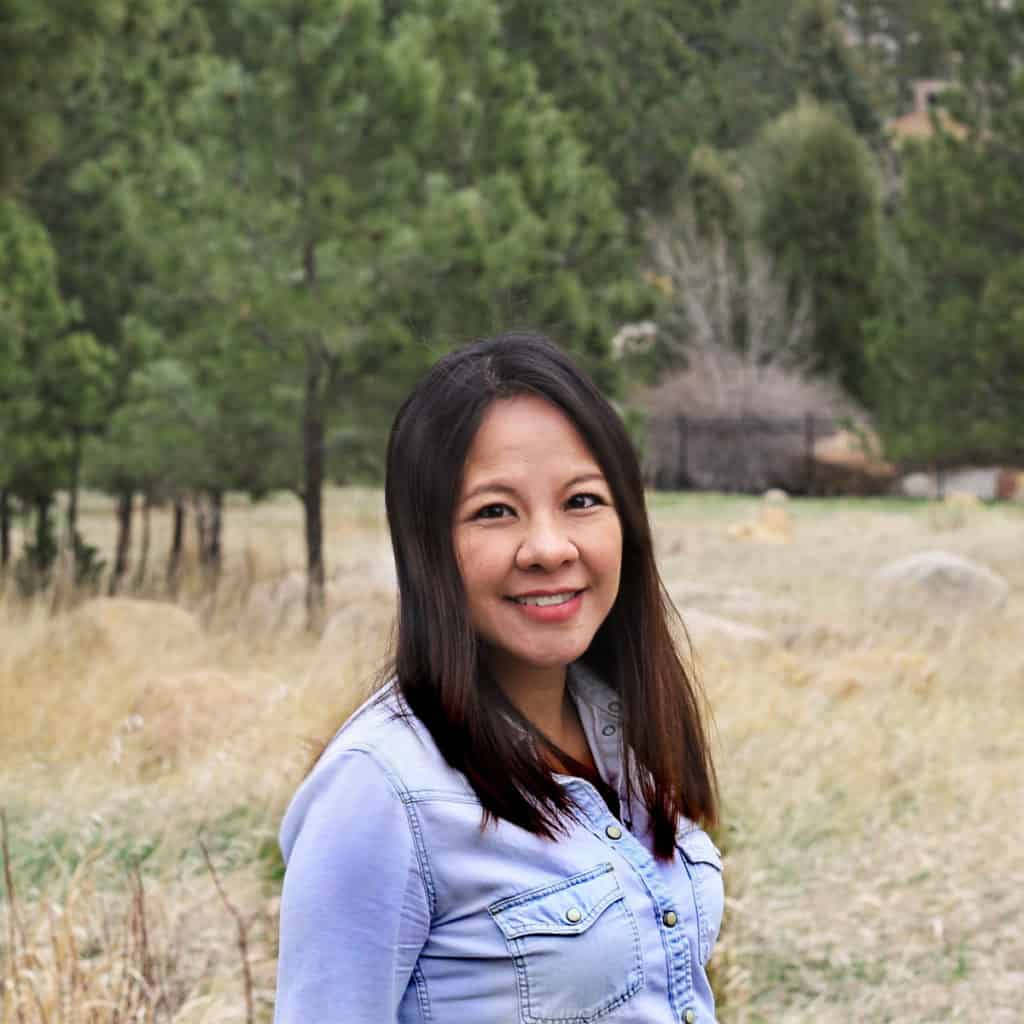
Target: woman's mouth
{"x": 547, "y": 600}
{"x": 549, "y": 607}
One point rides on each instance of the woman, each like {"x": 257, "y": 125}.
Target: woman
{"x": 506, "y": 831}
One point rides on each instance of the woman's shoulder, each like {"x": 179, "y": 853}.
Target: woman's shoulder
{"x": 383, "y": 754}
{"x": 394, "y": 741}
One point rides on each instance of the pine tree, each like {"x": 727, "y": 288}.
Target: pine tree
{"x": 377, "y": 189}
{"x": 819, "y": 217}
{"x": 947, "y": 350}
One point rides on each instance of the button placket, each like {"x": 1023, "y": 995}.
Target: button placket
{"x": 675, "y": 940}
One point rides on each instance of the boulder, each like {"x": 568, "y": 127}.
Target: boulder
{"x": 715, "y": 633}
{"x": 727, "y": 601}
{"x": 918, "y": 485}
{"x": 772, "y": 525}
{"x": 851, "y": 463}
{"x": 942, "y": 579}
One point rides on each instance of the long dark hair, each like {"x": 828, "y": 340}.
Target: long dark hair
{"x": 436, "y": 657}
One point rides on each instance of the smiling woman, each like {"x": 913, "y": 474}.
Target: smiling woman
{"x": 539, "y": 548}
{"x": 510, "y": 830}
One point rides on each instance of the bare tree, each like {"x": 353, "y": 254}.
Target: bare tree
{"x": 747, "y": 379}
{"x": 730, "y": 317}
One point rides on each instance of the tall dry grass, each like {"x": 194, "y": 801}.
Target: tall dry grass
{"x": 870, "y": 761}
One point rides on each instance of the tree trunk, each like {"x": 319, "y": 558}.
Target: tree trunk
{"x": 122, "y": 553}
{"x": 140, "y": 571}
{"x": 209, "y": 507}
{"x": 76, "y": 472}
{"x": 312, "y": 494}
{"x": 45, "y": 544}
{"x": 202, "y": 527}
{"x": 213, "y": 555}
{"x": 5, "y": 529}
{"x": 177, "y": 544}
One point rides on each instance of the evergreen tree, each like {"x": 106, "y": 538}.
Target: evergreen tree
{"x": 46, "y": 45}
{"x": 94, "y": 195}
{"x": 947, "y": 350}
{"x": 775, "y": 55}
{"x": 50, "y": 382}
{"x": 819, "y": 218}
{"x": 370, "y": 183}
{"x": 632, "y": 75}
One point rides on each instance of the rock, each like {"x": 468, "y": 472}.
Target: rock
{"x": 772, "y": 525}
{"x": 918, "y": 485}
{"x": 851, "y": 463}
{"x": 944, "y": 579}
{"x": 727, "y": 601}
{"x": 712, "y": 632}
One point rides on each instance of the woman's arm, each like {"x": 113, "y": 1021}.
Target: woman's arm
{"x": 354, "y": 910}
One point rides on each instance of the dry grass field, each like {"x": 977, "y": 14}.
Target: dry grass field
{"x": 871, "y": 756}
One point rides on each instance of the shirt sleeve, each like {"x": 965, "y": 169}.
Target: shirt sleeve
{"x": 354, "y": 908}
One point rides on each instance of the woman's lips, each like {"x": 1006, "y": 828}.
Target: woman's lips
{"x": 551, "y": 612}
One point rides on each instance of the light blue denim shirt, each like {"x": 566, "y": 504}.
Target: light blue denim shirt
{"x": 396, "y": 908}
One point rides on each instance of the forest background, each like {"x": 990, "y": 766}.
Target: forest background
{"x": 231, "y": 234}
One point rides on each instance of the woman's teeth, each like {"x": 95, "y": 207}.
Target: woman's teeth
{"x": 547, "y": 599}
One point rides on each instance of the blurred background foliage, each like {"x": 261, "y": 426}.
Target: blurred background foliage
{"x": 232, "y": 234}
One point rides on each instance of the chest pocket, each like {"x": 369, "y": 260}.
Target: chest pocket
{"x": 704, "y": 866}
{"x": 576, "y": 948}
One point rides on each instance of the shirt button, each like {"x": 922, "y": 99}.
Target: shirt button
{"x": 614, "y": 706}
{"x": 669, "y": 917}
{"x": 613, "y": 832}
{"x": 572, "y": 915}
{"x": 608, "y": 730}
{"x": 689, "y": 1017}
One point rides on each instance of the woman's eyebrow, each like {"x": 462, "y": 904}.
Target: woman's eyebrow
{"x": 496, "y": 487}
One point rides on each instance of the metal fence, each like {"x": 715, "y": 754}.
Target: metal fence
{"x": 740, "y": 454}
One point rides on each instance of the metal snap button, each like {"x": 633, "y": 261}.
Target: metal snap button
{"x": 689, "y": 1017}
{"x": 670, "y": 919}
{"x": 572, "y": 915}
{"x": 613, "y": 832}
{"x": 614, "y": 706}
{"x": 608, "y": 730}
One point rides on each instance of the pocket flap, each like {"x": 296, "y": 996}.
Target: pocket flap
{"x": 567, "y": 907}
{"x": 698, "y": 849}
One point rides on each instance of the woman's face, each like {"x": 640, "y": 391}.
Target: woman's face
{"x": 537, "y": 536}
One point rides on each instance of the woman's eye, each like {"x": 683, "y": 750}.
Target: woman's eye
{"x": 586, "y": 500}
{"x": 492, "y": 512}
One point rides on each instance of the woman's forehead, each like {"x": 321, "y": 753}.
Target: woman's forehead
{"x": 526, "y": 435}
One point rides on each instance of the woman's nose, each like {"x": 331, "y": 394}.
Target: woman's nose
{"x": 546, "y": 544}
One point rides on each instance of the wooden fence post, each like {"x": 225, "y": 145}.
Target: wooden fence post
{"x": 809, "y": 449}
